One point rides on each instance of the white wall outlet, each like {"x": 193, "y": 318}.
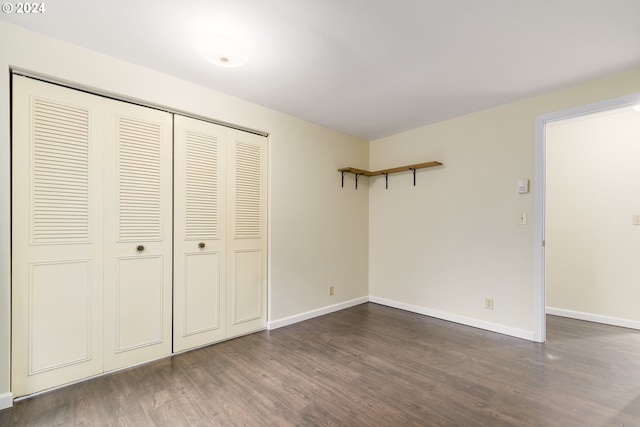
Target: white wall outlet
{"x": 488, "y": 303}
{"x": 635, "y": 219}
{"x": 331, "y": 290}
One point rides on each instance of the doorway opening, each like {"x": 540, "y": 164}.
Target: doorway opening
{"x": 540, "y": 226}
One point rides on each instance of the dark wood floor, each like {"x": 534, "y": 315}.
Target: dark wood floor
{"x": 369, "y": 365}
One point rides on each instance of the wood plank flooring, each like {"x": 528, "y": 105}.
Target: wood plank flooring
{"x": 369, "y": 365}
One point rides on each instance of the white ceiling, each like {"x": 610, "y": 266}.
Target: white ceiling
{"x": 369, "y": 68}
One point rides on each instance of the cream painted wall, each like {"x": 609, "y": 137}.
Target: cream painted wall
{"x": 593, "y": 183}
{"x": 444, "y": 246}
{"x": 318, "y": 230}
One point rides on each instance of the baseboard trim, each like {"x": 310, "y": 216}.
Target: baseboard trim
{"x": 286, "y": 321}
{"x": 467, "y": 321}
{"x": 590, "y": 317}
{"x": 6, "y": 401}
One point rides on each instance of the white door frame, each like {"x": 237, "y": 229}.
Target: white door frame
{"x": 539, "y": 301}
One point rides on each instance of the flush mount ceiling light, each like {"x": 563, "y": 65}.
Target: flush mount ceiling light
{"x": 225, "y": 51}
{"x": 223, "y": 42}
{"x": 636, "y": 108}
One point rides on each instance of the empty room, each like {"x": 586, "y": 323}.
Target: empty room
{"x": 280, "y": 212}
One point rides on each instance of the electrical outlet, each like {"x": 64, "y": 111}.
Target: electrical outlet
{"x": 488, "y": 303}
{"x": 331, "y": 290}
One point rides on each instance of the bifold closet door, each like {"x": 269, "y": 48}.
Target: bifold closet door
{"x": 91, "y": 235}
{"x": 93, "y": 252}
{"x": 199, "y": 233}
{"x": 138, "y": 234}
{"x": 247, "y": 233}
{"x": 220, "y": 241}
{"x": 57, "y": 241}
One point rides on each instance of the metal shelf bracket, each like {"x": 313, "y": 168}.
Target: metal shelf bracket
{"x": 358, "y": 172}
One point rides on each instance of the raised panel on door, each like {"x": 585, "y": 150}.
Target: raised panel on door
{"x": 56, "y": 236}
{"x": 138, "y": 238}
{"x": 247, "y": 235}
{"x": 199, "y": 233}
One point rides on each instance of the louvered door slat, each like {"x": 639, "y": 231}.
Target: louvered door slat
{"x": 60, "y": 174}
{"x": 201, "y": 186}
{"x": 248, "y": 190}
{"x": 139, "y": 146}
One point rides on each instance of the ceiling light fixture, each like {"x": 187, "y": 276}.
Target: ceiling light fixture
{"x": 636, "y": 108}
{"x": 225, "y": 51}
{"x": 223, "y": 43}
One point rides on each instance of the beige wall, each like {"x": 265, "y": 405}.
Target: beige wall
{"x": 318, "y": 231}
{"x": 444, "y": 246}
{"x": 593, "y": 188}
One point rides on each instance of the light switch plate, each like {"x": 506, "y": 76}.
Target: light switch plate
{"x": 635, "y": 219}
{"x": 523, "y": 186}
{"x": 523, "y": 218}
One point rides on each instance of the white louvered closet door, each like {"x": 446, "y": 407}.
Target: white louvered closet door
{"x": 93, "y": 253}
{"x": 247, "y": 233}
{"x": 138, "y": 234}
{"x": 57, "y": 242}
{"x": 199, "y": 233}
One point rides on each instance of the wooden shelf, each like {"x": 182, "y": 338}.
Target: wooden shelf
{"x": 361, "y": 172}
{"x": 357, "y": 171}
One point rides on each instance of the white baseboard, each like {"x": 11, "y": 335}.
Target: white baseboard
{"x": 468, "y": 321}
{"x": 279, "y": 323}
{"x": 6, "y": 401}
{"x": 590, "y": 317}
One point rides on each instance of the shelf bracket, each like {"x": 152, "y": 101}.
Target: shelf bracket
{"x": 386, "y": 172}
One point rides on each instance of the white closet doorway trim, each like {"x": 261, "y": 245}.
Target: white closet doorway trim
{"x": 539, "y": 309}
